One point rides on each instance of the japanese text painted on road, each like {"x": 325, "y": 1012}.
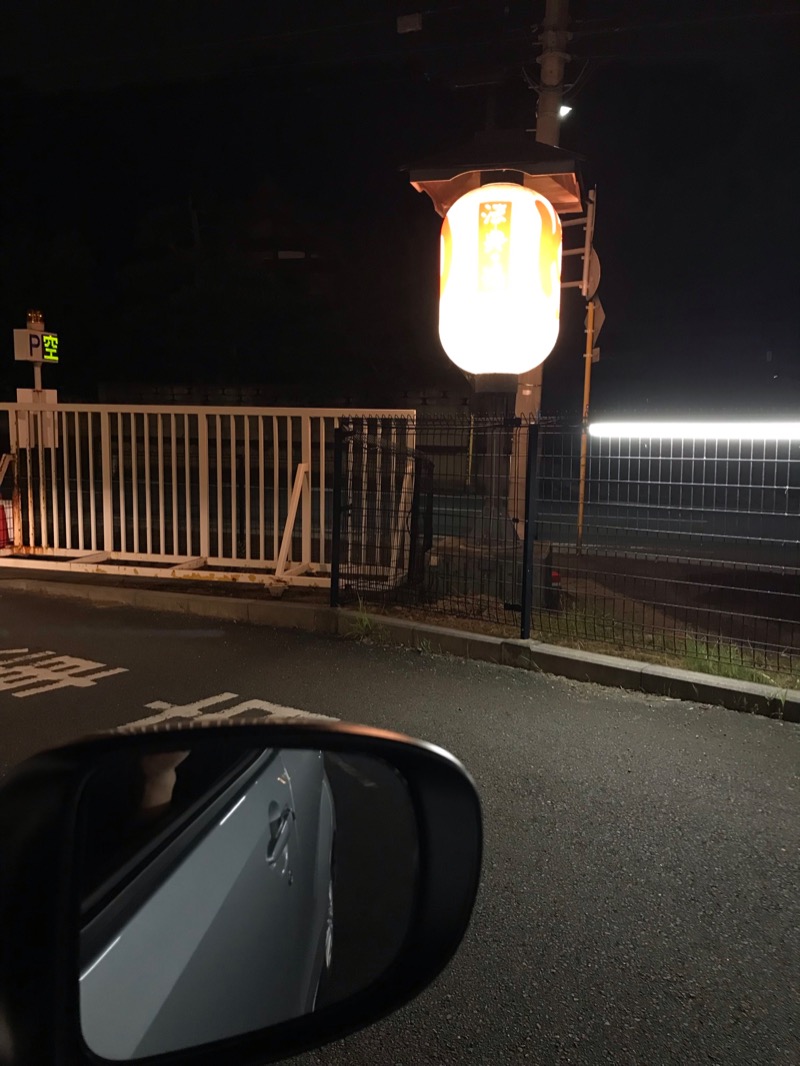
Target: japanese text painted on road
{"x": 170, "y": 712}
{"x": 30, "y": 673}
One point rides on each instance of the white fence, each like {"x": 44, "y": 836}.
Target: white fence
{"x": 181, "y": 492}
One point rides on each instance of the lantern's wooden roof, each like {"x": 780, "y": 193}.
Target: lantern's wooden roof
{"x": 548, "y": 170}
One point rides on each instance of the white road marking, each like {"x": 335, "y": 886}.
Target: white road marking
{"x": 30, "y": 673}
{"x": 25, "y": 673}
{"x": 188, "y": 710}
{"x": 167, "y": 712}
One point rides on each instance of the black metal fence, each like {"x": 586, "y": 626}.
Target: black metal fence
{"x": 688, "y": 549}
{"x": 437, "y": 521}
{"x": 382, "y": 515}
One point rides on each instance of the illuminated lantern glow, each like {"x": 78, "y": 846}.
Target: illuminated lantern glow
{"x": 500, "y": 280}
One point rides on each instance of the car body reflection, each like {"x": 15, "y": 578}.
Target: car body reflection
{"x": 217, "y": 919}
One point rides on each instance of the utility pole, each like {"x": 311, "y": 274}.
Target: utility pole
{"x": 553, "y": 39}
{"x": 587, "y": 385}
{"x": 528, "y": 403}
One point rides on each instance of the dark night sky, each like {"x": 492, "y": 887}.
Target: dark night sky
{"x": 154, "y": 160}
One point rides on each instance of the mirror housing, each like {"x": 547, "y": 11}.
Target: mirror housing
{"x": 39, "y": 962}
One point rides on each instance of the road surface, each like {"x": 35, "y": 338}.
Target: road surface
{"x": 639, "y": 899}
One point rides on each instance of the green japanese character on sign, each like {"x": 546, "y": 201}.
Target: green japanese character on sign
{"x": 50, "y": 342}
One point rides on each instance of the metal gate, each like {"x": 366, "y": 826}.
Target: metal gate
{"x": 382, "y": 513}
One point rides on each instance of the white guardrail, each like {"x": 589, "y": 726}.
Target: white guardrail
{"x": 207, "y": 493}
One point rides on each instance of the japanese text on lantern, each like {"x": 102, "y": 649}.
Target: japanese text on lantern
{"x": 494, "y": 239}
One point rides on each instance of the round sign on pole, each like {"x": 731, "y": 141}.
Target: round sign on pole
{"x": 594, "y": 274}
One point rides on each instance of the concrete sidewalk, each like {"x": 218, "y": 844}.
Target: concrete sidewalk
{"x": 232, "y": 605}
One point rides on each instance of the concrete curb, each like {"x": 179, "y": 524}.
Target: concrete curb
{"x": 525, "y": 655}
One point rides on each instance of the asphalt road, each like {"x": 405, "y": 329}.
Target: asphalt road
{"x": 639, "y": 900}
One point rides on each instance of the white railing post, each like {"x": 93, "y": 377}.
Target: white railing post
{"x": 148, "y": 501}
{"x": 218, "y": 476}
{"x": 16, "y": 497}
{"x": 261, "y": 531}
{"x": 108, "y": 502}
{"x": 203, "y": 498}
{"x": 134, "y": 482}
{"x": 306, "y": 460}
{"x": 234, "y": 509}
{"x": 92, "y": 502}
{"x": 42, "y": 486}
{"x": 123, "y": 518}
{"x": 78, "y": 481}
{"x": 321, "y": 487}
{"x": 54, "y": 483}
{"x": 276, "y": 486}
{"x": 187, "y": 474}
{"x": 173, "y": 453}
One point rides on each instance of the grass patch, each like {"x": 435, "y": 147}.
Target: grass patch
{"x": 364, "y": 628}
{"x": 599, "y": 631}
{"x": 727, "y": 660}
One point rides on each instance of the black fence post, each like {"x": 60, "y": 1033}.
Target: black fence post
{"x": 415, "y": 556}
{"x": 420, "y": 530}
{"x": 339, "y": 435}
{"x": 531, "y": 490}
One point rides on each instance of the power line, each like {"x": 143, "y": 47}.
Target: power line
{"x": 510, "y": 39}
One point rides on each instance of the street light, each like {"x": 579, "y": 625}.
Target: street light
{"x": 482, "y": 331}
{"x": 500, "y": 280}
{"x": 564, "y": 110}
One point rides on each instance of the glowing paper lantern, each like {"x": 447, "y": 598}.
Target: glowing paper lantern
{"x": 500, "y": 290}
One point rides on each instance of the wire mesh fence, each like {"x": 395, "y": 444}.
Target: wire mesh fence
{"x": 687, "y": 547}
{"x": 461, "y": 487}
{"x": 684, "y": 549}
{"x": 382, "y": 511}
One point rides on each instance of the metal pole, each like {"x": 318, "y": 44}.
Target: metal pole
{"x": 587, "y": 386}
{"x": 416, "y": 552}
{"x": 471, "y": 450}
{"x": 531, "y": 471}
{"x": 553, "y": 39}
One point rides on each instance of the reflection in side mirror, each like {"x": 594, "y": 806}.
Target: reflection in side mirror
{"x": 225, "y": 888}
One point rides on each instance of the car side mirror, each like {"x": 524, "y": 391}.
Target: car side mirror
{"x": 228, "y": 893}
